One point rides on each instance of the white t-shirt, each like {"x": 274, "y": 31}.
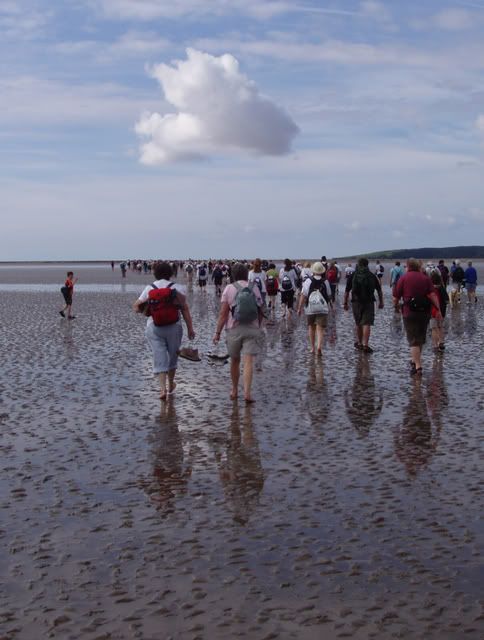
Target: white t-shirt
{"x": 292, "y": 277}
{"x": 307, "y": 284}
{"x": 349, "y": 271}
{"x": 262, "y": 276}
{"x": 160, "y": 284}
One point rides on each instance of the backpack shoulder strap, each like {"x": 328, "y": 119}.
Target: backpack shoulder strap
{"x": 154, "y": 286}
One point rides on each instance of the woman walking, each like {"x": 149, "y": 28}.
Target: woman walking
{"x": 163, "y": 302}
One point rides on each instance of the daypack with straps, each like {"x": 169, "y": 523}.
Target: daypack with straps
{"x": 245, "y": 309}
{"x": 317, "y": 301}
{"x": 258, "y": 282}
{"x": 162, "y": 305}
{"x": 363, "y": 285}
{"x": 202, "y": 272}
{"x": 272, "y": 285}
{"x": 286, "y": 282}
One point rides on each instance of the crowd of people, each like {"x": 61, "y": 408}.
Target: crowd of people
{"x": 248, "y": 299}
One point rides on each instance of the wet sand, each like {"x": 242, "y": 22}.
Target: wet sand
{"x": 346, "y": 503}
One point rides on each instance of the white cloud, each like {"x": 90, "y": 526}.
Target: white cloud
{"x": 375, "y": 10}
{"x": 129, "y": 45}
{"x": 150, "y": 9}
{"x": 30, "y": 101}
{"x": 20, "y": 22}
{"x": 454, "y": 19}
{"x": 219, "y": 109}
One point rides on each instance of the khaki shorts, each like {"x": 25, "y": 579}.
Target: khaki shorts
{"x": 321, "y": 319}
{"x": 416, "y": 329}
{"x": 243, "y": 340}
{"x": 363, "y": 313}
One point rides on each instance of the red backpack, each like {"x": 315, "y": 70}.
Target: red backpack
{"x": 332, "y": 275}
{"x": 162, "y": 305}
{"x": 272, "y": 285}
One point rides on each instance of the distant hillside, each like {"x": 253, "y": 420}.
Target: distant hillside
{"x": 449, "y": 253}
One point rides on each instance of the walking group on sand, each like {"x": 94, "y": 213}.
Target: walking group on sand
{"x": 248, "y": 295}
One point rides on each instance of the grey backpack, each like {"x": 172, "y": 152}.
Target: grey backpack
{"x": 245, "y": 309}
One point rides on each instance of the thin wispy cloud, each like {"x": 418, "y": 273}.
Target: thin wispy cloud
{"x": 218, "y": 110}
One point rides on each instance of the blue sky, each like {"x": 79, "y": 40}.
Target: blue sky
{"x": 286, "y": 129}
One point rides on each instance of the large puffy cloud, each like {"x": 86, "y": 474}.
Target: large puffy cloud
{"x": 219, "y": 109}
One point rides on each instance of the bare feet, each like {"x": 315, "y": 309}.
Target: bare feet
{"x": 171, "y": 388}
{"x": 234, "y": 395}
{"x": 249, "y": 400}
{"x": 163, "y": 394}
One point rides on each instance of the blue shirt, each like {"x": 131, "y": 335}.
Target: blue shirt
{"x": 470, "y": 275}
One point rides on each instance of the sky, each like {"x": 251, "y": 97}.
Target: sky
{"x": 241, "y": 128}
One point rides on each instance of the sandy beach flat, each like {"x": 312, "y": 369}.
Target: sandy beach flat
{"x": 346, "y": 503}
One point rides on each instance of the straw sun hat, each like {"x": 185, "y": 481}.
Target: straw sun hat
{"x": 318, "y": 269}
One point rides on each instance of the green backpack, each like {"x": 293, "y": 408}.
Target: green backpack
{"x": 245, "y": 310}
{"x": 363, "y": 285}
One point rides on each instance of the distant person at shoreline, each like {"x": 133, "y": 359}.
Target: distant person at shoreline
{"x": 68, "y": 291}
{"x": 437, "y": 324}
{"x": 470, "y": 277}
{"x": 122, "y": 266}
{"x": 163, "y": 301}
{"x": 444, "y": 272}
{"x": 362, "y": 284}
{"x": 457, "y": 276}
{"x": 396, "y": 273}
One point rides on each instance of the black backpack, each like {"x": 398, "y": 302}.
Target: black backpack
{"x": 363, "y": 285}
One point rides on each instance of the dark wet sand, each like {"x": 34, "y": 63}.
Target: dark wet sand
{"x": 347, "y": 503}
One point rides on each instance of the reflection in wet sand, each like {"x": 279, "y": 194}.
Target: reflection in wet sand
{"x": 363, "y": 400}
{"x": 417, "y": 439}
{"x": 241, "y": 471}
{"x": 170, "y": 472}
{"x": 317, "y": 403}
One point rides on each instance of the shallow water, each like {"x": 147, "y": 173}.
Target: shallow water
{"x": 347, "y": 502}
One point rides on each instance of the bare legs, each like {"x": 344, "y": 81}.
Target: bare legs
{"x": 316, "y": 337}
{"x": 164, "y": 378}
{"x": 416, "y": 355}
{"x": 363, "y": 334}
{"x": 248, "y": 375}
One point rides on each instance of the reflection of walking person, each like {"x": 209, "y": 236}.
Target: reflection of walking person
{"x": 67, "y": 291}
{"x": 241, "y": 471}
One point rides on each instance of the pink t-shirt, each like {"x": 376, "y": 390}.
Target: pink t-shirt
{"x": 228, "y": 296}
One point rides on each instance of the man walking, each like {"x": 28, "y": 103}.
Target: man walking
{"x": 362, "y": 284}
{"x": 418, "y": 294}
{"x": 470, "y": 276}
